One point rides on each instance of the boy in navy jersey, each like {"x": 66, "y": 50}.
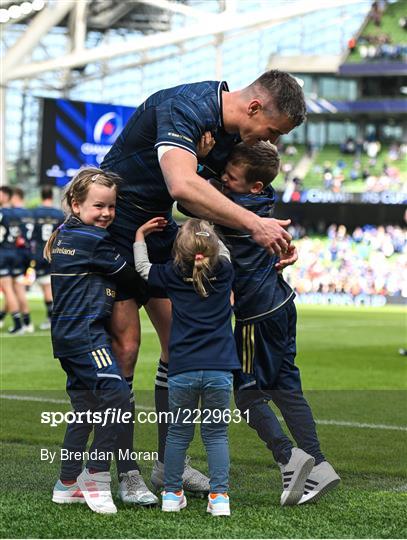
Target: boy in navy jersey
{"x": 265, "y": 334}
{"x": 46, "y": 219}
{"x": 85, "y": 268}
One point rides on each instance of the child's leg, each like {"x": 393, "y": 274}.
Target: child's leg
{"x": 77, "y": 433}
{"x": 216, "y": 393}
{"x": 183, "y": 396}
{"x": 253, "y": 404}
{"x": 260, "y": 365}
{"x": 287, "y": 395}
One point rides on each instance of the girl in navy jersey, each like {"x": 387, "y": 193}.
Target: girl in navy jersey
{"x": 85, "y": 268}
{"x": 202, "y": 352}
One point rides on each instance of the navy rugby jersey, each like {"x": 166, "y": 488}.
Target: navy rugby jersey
{"x": 178, "y": 117}
{"x": 20, "y": 225}
{"x": 259, "y": 290}
{"x": 7, "y": 239}
{"x": 82, "y": 265}
{"x": 201, "y": 331}
{"x": 46, "y": 220}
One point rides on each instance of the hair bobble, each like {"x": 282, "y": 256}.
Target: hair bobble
{"x": 202, "y": 233}
{"x": 199, "y": 257}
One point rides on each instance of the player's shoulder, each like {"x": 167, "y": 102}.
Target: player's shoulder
{"x": 75, "y": 227}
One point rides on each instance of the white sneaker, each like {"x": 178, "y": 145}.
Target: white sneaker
{"x": 133, "y": 489}
{"x": 294, "y": 474}
{"x": 218, "y": 504}
{"x": 63, "y": 494}
{"x": 29, "y": 328}
{"x": 45, "y": 325}
{"x": 96, "y": 490}
{"x": 322, "y": 479}
{"x": 173, "y": 502}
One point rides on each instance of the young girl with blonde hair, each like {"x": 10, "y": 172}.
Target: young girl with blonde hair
{"x": 85, "y": 268}
{"x": 202, "y": 353}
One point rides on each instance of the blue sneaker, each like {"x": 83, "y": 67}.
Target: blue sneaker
{"x": 63, "y": 494}
{"x": 173, "y": 501}
{"x": 218, "y": 504}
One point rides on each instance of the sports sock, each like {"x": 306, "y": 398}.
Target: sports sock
{"x": 26, "y": 319}
{"x": 48, "y": 306}
{"x": 68, "y": 482}
{"x": 2, "y": 315}
{"x": 161, "y": 405}
{"x": 17, "y": 320}
{"x": 125, "y": 439}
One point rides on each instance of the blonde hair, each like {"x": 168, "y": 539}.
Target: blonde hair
{"x": 77, "y": 191}
{"x": 196, "y": 247}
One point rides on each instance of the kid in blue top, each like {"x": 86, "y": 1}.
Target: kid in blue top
{"x": 265, "y": 334}
{"x": 202, "y": 352}
{"x": 84, "y": 269}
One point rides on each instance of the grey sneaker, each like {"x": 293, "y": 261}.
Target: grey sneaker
{"x": 133, "y": 490}
{"x": 193, "y": 481}
{"x": 294, "y": 474}
{"x": 322, "y": 479}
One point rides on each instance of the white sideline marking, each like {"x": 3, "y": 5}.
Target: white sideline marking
{"x": 46, "y": 333}
{"x": 341, "y": 423}
{"x": 57, "y": 401}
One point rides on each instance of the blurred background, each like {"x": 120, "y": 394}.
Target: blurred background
{"x": 73, "y": 71}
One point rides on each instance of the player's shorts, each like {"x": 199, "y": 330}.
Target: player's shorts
{"x": 90, "y": 375}
{"x": 159, "y": 245}
{"x": 42, "y": 269}
{"x": 267, "y": 350}
{"x": 42, "y": 266}
{"x": 21, "y": 261}
{"x": 6, "y": 262}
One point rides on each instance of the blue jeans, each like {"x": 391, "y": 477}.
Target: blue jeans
{"x": 214, "y": 388}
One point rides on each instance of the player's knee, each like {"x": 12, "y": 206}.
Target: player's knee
{"x": 126, "y": 351}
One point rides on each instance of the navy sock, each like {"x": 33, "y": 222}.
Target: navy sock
{"x": 125, "y": 439}
{"x": 48, "y": 306}
{"x": 26, "y": 319}
{"x": 2, "y": 315}
{"x": 161, "y": 405}
{"x": 17, "y": 320}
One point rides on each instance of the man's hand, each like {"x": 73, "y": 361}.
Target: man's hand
{"x": 287, "y": 258}
{"x": 205, "y": 145}
{"x": 153, "y": 225}
{"x": 269, "y": 233}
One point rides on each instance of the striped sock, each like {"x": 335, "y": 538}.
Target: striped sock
{"x": 161, "y": 405}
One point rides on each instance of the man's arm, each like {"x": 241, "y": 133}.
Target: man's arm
{"x": 199, "y": 197}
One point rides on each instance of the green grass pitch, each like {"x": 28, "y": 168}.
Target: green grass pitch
{"x": 355, "y": 381}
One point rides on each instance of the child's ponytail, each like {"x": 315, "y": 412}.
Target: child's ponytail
{"x": 197, "y": 247}
{"x": 48, "y": 246}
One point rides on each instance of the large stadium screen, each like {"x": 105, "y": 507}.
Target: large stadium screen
{"x": 75, "y": 133}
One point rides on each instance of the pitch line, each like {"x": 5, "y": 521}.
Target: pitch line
{"x": 340, "y": 423}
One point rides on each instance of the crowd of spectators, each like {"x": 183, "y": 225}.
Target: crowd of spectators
{"x": 370, "y": 260}
{"x": 377, "y": 178}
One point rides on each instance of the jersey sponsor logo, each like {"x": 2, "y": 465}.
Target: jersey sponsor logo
{"x": 110, "y": 292}
{"x": 63, "y": 251}
{"x": 178, "y": 136}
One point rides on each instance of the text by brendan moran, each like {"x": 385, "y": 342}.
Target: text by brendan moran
{"x": 95, "y": 455}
